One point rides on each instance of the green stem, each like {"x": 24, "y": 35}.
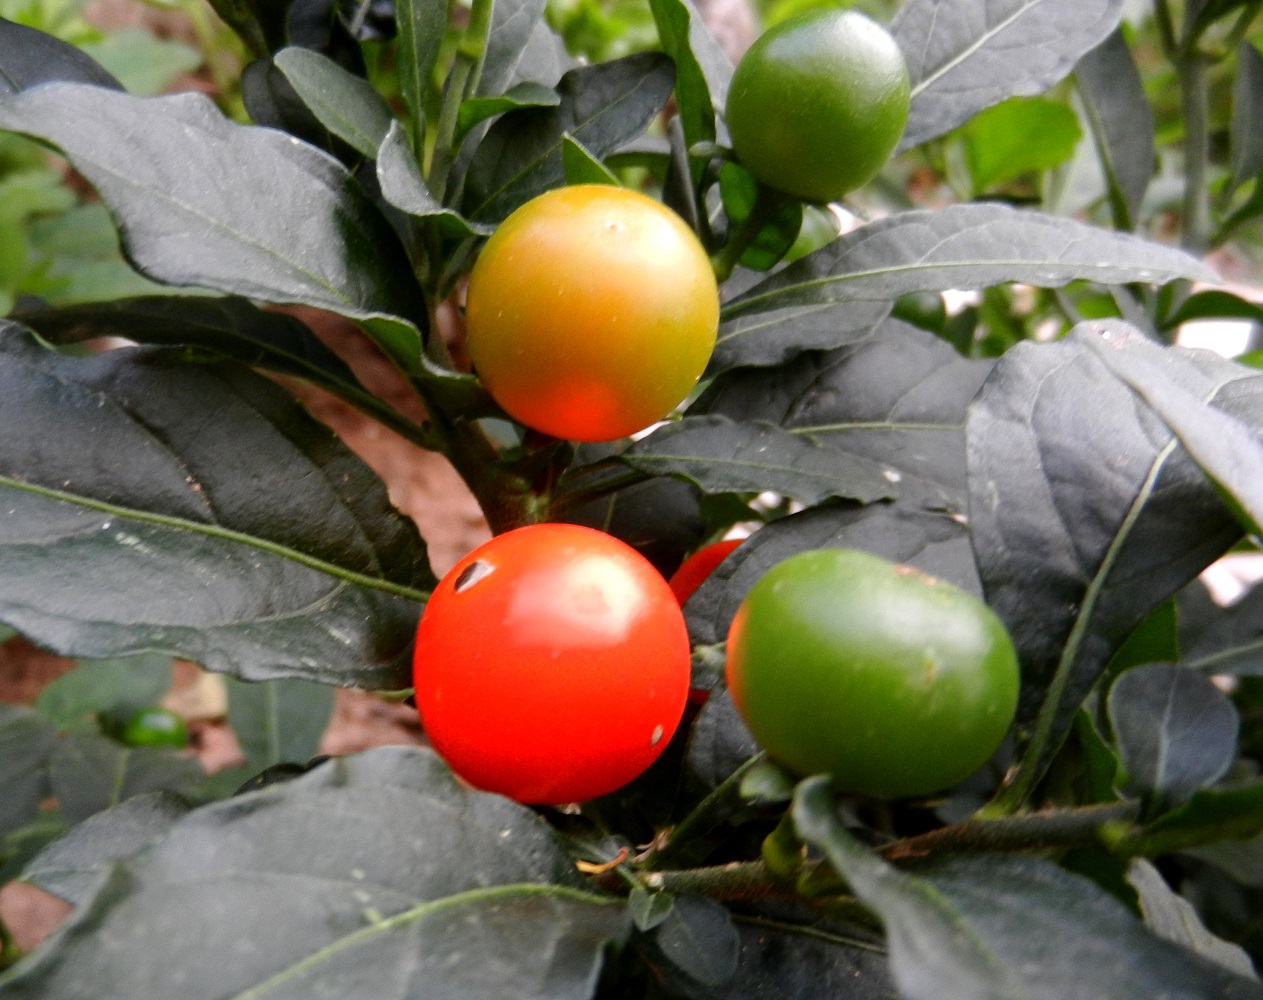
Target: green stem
{"x": 462, "y": 82}
{"x": 1242, "y": 26}
{"x": 766, "y": 203}
{"x": 1063, "y": 828}
{"x": 736, "y": 880}
{"x": 1194, "y": 102}
{"x": 1166, "y": 28}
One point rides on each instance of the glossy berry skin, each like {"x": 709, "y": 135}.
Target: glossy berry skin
{"x": 155, "y": 727}
{"x": 818, "y": 103}
{"x": 591, "y": 312}
{"x": 697, "y": 567}
{"x": 894, "y": 683}
{"x": 551, "y": 665}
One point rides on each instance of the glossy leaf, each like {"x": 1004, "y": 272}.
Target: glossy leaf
{"x": 726, "y": 456}
{"x": 1121, "y": 119}
{"x": 1173, "y": 918}
{"x": 698, "y": 942}
{"x": 29, "y": 57}
{"x": 523, "y": 95}
{"x": 404, "y": 186}
{"x": 898, "y": 397}
{"x": 184, "y": 187}
{"x": 345, "y": 104}
{"x": 581, "y": 167}
{"x": 963, "y": 246}
{"x": 603, "y": 106}
{"x": 521, "y": 48}
{"x": 450, "y": 871}
{"x": 421, "y": 24}
{"x": 992, "y": 927}
{"x": 777, "y": 335}
{"x": 254, "y": 543}
{"x": 964, "y": 56}
{"x": 1176, "y": 732}
{"x": 1231, "y": 642}
{"x": 1108, "y": 525}
{"x": 703, "y": 71}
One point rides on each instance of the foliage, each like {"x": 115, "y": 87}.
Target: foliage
{"x": 1046, "y": 448}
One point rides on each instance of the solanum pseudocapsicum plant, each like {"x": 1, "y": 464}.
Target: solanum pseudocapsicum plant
{"x": 173, "y": 498}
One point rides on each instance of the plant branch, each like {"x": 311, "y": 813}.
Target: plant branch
{"x": 1194, "y": 103}
{"x": 766, "y": 203}
{"x": 1033, "y": 831}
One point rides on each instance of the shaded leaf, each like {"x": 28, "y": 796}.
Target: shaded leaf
{"x": 1232, "y": 642}
{"x": 1176, "y": 732}
{"x": 1070, "y": 469}
{"x": 720, "y": 455}
{"x": 184, "y": 184}
{"x": 964, "y": 56}
{"x": 964, "y": 246}
{"x": 719, "y": 743}
{"x": 1172, "y": 918}
{"x": 703, "y": 70}
{"x": 95, "y": 686}
{"x": 523, "y": 95}
{"x": 997, "y": 927}
{"x": 72, "y": 867}
{"x": 27, "y": 740}
{"x": 405, "y": 869}
{"x": 899, "y": 398}
{"x": 255, "y": 543}
{"x": 404, "y": 187}
{"x": 347, "y": 105}
{"x": 88, "y": 773}
{"x": 932, "y": 542}
{"x": 421, "y": 24}
{"x": 776, "y": 335}
{"x": 1247, "y": 113}
{"x": 603, "y": 107}
{"x": 698, "y": 941}
{"x": 278, "y": 721}
{"x": 29, "y": 57}
{"x": 521, "y": 47}
{"x": 1122, "y": 124}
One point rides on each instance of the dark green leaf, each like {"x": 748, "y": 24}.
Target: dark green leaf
{"x": 998, "y": 927}
{"x": 721, "y": 455}
{"x": 719, "y": 743}
{"x": 648, "y": 909}
{"x": 421, "y": 24}
{"x": 89, "y": 773}
{"x": 963, "y": 58}
{"x": 1108, "y": 525}
{"x": 898, "y": 397}
{"x": 703, "y": 71}
{"x": 1247, "y": 113}
{"x": 1231, "y": 642}
{"x": 581, "y": 167}
{"x": 1121, "y": 119}
{"x": 1211, "y": 816}
{"x": 934, "y": 543}
{"x": 345, "y": 104}
{"x": 777, "y": 335}
{"x": 96, "y": 686}
{"x": 278, "y": 721}
{"x": 403, "y": 870}
{"x": 698, "y": 941}
{"x": 254, "y": 543}
{"x": 523, "y": 95}
{"x": 27, "y": 740}
{"x": 1172, "y": 918}
{"x": 1176, "y": 732}
{"x": 964, "y": 246}
{"x": 521, "y": 47}
{"x": 603, "y": 106}
{"x": 29, "y": 57}
{"x": 1214, "y": 304}
{"x": 740, "y": 191}
{"x": 403, "y": 186}
{"x": 185, "y": 186}
{"x": 73, "y": 866}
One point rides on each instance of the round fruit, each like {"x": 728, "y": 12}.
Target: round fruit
{"x": 591, "y": 312}
{"x": 818, "y": 103}
{"x": 894, "y": 683}
{"x": 698, "y": 567}
{"x": 551, "y": 665}
{"x": 155, "y": 727}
